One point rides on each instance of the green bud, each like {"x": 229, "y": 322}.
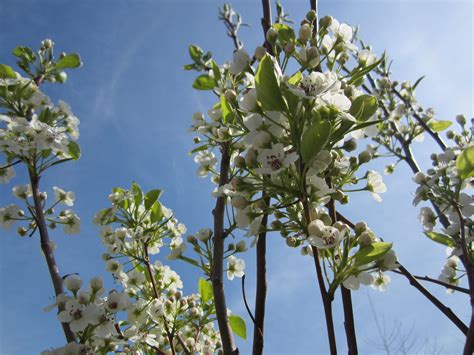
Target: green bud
{"x": 292, "y": 242}
{"x": 276, "y": 225}
{"x": 364, "y": 157}
{"x": 461, "y": 119}
{"x": 350, "y": 145}
{"x": 61, "y": 77}
{"x": 305, "y": 32}
{"x": 231, "y": 247}
{"x": 360, "y": 227}
{"x": 239, "y": 162}
{"x": 191, "y": 239}
{"x": 230, "y": 95}
{"x": 311, "y": 15}
{"x": 271, "y": 36}
{"x": 22, "y": 231}
{"x": 312, "y": 52}
{"x": 325, "y": 21}
{"x": 260, "y": 52}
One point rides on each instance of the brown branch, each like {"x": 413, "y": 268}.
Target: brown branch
{"x": 438, "y": 282}
{"x": 261, "y": 293}
{"x": 47, "y": 249}
{"x": 327, "y": 301}
{"x": 414, "y": 282}
{"x": 217, "y": 267}
{"x": 349, "y": 324}
{"x": 245, "y": 301}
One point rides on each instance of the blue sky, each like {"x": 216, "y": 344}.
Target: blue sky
{"x": 135, "y": 103}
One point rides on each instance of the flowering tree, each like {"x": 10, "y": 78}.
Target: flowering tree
{"x": 280, "y": 144}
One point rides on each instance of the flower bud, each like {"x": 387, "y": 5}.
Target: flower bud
{"x": 365, "y": 238}
{"x": 325, "y": 21}
{"x": 360, "y": 227}
{"x": 312, "y": 52}
{"x": 289, "y": 48}
{"x": 22, "y": 231}
{"x": 271, "y": 36}
{"x": 230, "y": 95}
{"x": 191, "y": 239}
{"x": 96, "y": 284}
{"x": 311, "y": 15}
{"x": 43, "y": 195}
{"x": 450, "y": 134}
{"x": 239, "y": 162}
{"x": 260, "y": 52}
{"x": 231, "y": 247}
{"x": 350, "y": 145}
{"x": 73, "y": 283}
{"x": 47, "y": 43}
{"x": 364, "y": 157}
{"x": 61, "y": 77}
{"x": 240, "y": 246}
{"x": 305, "y": 32}
{"x": 316, "y": 228}
{"x": 419, "y": 178}
{"x": 292, "y": 242}
{"x": 276, "y": 224}
{"x": 461, "y": 119}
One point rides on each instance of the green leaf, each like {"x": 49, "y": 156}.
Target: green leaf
{"x": 137, "y": 194}
{"x": 156, "y": 214}
{"x": 285, "y": 33}
{"x": 151, "y": 197}
{"x": 227, "y": 113}
{"x": 357, "y": 75}
{"x": 439, "y": 126}
{"x": 68, "y": 61}
{"x": 268, "y": 89}
{"x": 7, "y": 72}
{"x": 314, "y": 139}
{"x": 363, "y": 107}
{"x": 295, "y": 78}
{"x": 465, "y": 163}
{"x": 441, "y": 238}
{"x": 195, "y": 52}
{"x": 74, "y": 150}
{"x": 189, "y": 66}
{"x": 418, "y": 82}
{"x": 238, "y": 326}
{"x": 371, "y": 253}
{"x": 205, "y": 290}
{"x": 204, "y": 82}
{"x": 198, "y": 149}
{"x": 24, "y": 53}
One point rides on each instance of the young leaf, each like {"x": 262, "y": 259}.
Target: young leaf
{"x": 156, "y": 214}
{"x": 204, "y": 82}
{"x": 68, "y": 61}
{"x": 268, "y": 89}
{"x": 439, "y": 126}
{"x": 295, "y": 78}
{"x": 285, "y": 33}
{"x": 441, "y": 238}
{"x": 363, "y": 107}
{"x": 465, "y": 163}
{"x": 7, "y": 72}
{"x": 371, "y": 253}
{"x": 137, "y": 194}
{"x": 238, "y": 326}
{"x": 74, "y": 150}
{"x": 151, "y": 197}
{"x": 24, "y": 53}
{"x": 205, "y": 290}
{"x": 314, "y": 139}
{"x": 195, "y": 52}
{"x": 226, "y": 110}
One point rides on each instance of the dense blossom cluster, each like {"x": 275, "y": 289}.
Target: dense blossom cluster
{"x": 289, "y": 135}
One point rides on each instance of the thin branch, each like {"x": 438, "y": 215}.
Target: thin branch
{"x": 245, "y": 300}
{"x": 438, "y": 282}
{"x": 47, "y": 249}
{"x": 414, "y": 282}
{"x": 217, "y": 267}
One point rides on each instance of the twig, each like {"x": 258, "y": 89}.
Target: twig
{"x": 444, "y": 284}
{"x": 245, "y": 300}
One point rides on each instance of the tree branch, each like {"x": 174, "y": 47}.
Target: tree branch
{"x": 217, "y": 267}
{"x": 46, "y": 248}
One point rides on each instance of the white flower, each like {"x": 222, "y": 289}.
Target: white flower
{"x": 427, "y": 218}
{"x": 71, "y": 222}
{"x": 235, "y": 267}
{"x": 353, "y": 282}
{"x": 241, "y": 59}
{"x": 22, "y": 191}
{"x": 62, "y": 196}
{"x": 203, "y": 234}
{"x": 8, "y": 215}
{"x": 329, "y": 238}
{"x": 176, "y": 252}
{"x": 117, "y": 302}
{"x": 366, "y": 57}
{"x": 275, "y": 159}
{"x": 6, "y": 174}
{"x": 248, "y": 101}
{"x": 375, "y": 184}
{"x": 206, "y": 161}
{"x": 380, "y": 282}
